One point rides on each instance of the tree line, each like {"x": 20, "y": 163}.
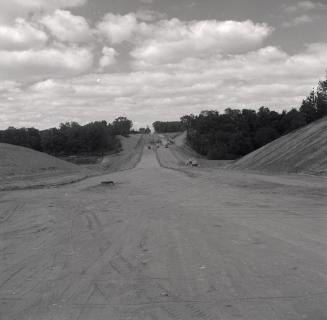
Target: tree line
{"x": 168, "y": 126}
{"x": 235, "y": 132}
{"x": 71, "y": 138}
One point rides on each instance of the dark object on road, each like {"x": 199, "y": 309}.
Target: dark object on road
{"x": 108, "y": 182}
{"x": 192, "y": 163}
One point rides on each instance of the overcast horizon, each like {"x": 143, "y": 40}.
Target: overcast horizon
{"x": 148, "y": 60}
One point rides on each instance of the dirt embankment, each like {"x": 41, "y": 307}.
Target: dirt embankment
{"x": 302, "y": 151}
{"x": 22, "y": 167}
{"x": 128, "y": 158}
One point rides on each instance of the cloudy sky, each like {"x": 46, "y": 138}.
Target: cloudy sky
{"x": 86, "y": 60}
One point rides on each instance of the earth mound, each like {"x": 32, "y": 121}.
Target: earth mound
{"x": 16, "y": 160}
{"x": 22, "y": 167}
{"x": 301, "y": 151}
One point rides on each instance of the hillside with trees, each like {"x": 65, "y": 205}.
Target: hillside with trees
{"x": 235, "y": 132}
{"x": 71, "y": 138}
{"x": 301, "y": 151}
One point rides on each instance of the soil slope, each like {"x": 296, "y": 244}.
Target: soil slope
{"x": 23, "y": 167}
{"x": 128, "y": 158}
{"x": 16, "y": 160}
{"x": 302, "y": 151}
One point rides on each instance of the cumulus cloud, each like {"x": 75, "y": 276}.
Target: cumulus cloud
{"x": 67, "y": 27}
{"x": 118, "y": 28}
{"x": 170, "y": 40}
{"x": 108, "y": 58}
{"x": 268, "y": 76}
{"x": 14, "y": 8}
{"x": 21, "y": 35}
{"x": 48, "y": 74}
{"x": 31, "y": 64}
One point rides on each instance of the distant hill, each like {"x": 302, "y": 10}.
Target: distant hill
{"x": 302, "y": 151}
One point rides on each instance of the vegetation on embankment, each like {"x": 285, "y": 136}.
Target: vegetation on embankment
{"x": 96, "y": 138}
{"x": 236, "y": 133}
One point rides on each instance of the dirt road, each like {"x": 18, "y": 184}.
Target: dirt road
{"x": 164, "y": 244}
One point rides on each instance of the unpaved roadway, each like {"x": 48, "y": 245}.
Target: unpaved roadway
{"x": 165, "y": 244}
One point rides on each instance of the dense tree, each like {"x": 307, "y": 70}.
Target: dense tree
{"x": 26, "y": 137}
{"x": 69, "y": 139}
{"x": 122, "y": 126}
{"x": 321, "y": 99}
{"x": 314, "y": 106}
{"x": 237, "y": 132}
{"x": 265, "y": 135}
{"x": 168, "y": 126}
{"x": 73, "y": 139}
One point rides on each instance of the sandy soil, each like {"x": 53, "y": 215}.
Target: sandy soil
{"x": 20, "y": 161}
{"x": 132, "y": 148}
{"x": 166, "y": 244}
{"x": 25, "y": 168}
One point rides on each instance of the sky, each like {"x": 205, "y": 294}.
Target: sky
{"x": 149, "y": 60}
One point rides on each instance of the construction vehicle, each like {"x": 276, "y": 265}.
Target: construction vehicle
{"x": 191, "y": 162}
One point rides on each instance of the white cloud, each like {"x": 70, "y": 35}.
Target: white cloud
{"x": 46, "y": 4}
{"x": 108, "y": 57}
{"x": 22, "y": 35}
{"x": 268, "y": 76}
{"x": 149, "y": 15}
{"x": 67, "y": 27}
{"x": 172, "y": 67}
{"x": 300, "y": 20}
{"x": 118, "y": 28}
{"x": 9, "y": 86}
{"x": 21, "y": 8}
{"x": 51, "y": 87}
{"x": 170, "y": 40}
{"x": 49, "y": 62}
{"x": 304, "y": 6}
